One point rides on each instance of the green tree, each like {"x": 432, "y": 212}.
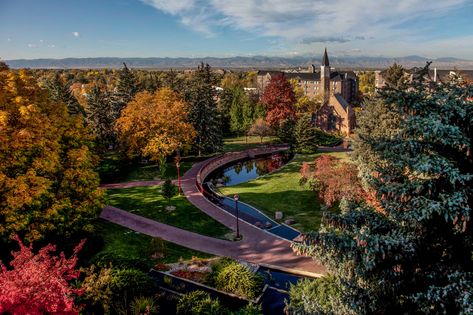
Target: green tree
{"x": 100, "y": 116}
{"x": 47, "y": 183}
{"x": 285, "y": 131}
{"x": 415, "y": 255}
{"x": 306, "y": 135}
{"x": 224, "y": 105}
{"x": 61, "y": 92}
{"x": 125, "y": 90}
{"x": 203, "y": 113}
{"x": 395, "y": 76}
{"x": 168, "y": 189}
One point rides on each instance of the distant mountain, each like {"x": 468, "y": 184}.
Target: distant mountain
{"x": 255, "y": 62}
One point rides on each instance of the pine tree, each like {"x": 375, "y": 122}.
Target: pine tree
{"x": 224, "y": 106}
{"x": 125, "y": 90}
{"x": 306, "y": 135}
{"x": 415, "y": 255}
{"x": 61, "y": 92}
{"x": 203, "y": 113}
{"x": 101, "y": 117}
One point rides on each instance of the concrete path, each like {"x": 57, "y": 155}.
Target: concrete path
{"x": 257, "y": 246}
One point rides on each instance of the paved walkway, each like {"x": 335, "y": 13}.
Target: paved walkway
{"x": 257, "y": 245}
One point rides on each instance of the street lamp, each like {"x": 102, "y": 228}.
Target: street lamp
{"x": 177, "y": 159}
{"x": 236, "y": 197}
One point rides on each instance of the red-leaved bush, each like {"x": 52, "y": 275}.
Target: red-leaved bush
{"x": 39, "y": 283}
{"x": 334, "y": 180}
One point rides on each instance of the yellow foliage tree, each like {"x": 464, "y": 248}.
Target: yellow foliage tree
{"x": 47, "y": 182}
{"x": 304, "y": 104}
{"x": 155, "y": 124}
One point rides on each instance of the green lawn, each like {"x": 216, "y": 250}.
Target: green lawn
{"x": 120, "y": 241}
{"x": 280, "y": 191}
{"x": 148, "y": 202}
{"x": 243, "y": 143}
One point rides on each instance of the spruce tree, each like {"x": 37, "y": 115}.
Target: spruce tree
{"x": 224, "y": 106}
{"x": 125, "y": 90}
{"x": 203, "y": 113}
{"x": 100, "y": 115}
{"x": 306, "y": 135}
{"x": 414, "y": 255}
{"x": 61, "y": 92}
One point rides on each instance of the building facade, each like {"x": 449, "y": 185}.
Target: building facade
{"x": 334, "y": 88}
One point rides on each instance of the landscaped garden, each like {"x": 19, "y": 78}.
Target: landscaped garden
{"x": 281, "y": 191}
{"x": 178, "y": 211}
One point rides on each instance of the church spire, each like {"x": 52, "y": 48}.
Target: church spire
{"x": 325, "y": 59}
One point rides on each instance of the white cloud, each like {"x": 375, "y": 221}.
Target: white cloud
{"x": 31, "y": 45}
{"x": 76, "y": 34}
{"x": 41, "y": 41}
{"x": 51, "y": 45}
{"x": 8, "y": 39}
{"x": 309, "y": 21}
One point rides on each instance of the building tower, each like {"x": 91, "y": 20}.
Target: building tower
{"x": 325, "y": 78}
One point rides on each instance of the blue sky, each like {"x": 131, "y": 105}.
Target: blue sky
{"x": 221, "y": 28}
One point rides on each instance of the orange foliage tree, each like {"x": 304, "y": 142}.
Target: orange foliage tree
{"x": 279, "y": 100}
{"x": 47, "y": 182}
{"x": 155, "y": 125}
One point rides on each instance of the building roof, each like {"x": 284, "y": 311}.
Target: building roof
{"x": 341, "y": 101}
{"x": 325, "y": 61}
{"x": 308, "y": 76}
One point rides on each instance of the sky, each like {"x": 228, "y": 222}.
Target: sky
{"x": 225, "y": 28}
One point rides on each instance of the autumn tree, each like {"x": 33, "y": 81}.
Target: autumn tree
{"x": 47, "y": 182}
{"x": 414, "y": 256}
{"x": 155, "y": 125}
{"x": 366, "y": 83}
{"x": 39, "y": 283}
{"x": 203, "y": 113}
{"x": 278, "y": 99}
{"x": 260, "y": 128}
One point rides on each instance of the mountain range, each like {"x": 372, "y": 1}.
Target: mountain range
{"x": 254, "y": 62}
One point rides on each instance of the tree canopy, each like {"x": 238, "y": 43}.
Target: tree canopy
{"x": 47, "y": 182}
{"x": 155, "y": 125}
{"x": 414, "y": 254}
{"x": 279, "y": 100}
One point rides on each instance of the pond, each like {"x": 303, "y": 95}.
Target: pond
{"x": 240, "y": 172}
{"x": 246, "y": 170}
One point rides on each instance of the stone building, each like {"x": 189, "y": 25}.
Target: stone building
{"x": 334, "y": 88}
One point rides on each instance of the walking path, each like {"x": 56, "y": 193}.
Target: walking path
{"x": 257, "y": 246}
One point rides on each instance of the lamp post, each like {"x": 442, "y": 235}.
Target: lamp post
{"x": 177, "y": 159}
{"x": 236, "y": 197}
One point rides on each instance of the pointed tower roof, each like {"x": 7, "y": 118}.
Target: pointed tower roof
{"x": 325, "y": 59}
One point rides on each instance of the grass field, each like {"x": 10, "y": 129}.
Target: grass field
{"x": 280, "y": 191}
{"x": 148, "y": 202}
{"x": 120, "y": 241}
{"x": 243, "y": 143}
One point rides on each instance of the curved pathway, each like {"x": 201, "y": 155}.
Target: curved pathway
{"x": 257, "y": 246}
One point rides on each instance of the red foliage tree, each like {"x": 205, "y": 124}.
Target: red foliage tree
{"x": 279, "y": 99}
{"x": 334, "y": 180}
{"x": 39, "y": 284}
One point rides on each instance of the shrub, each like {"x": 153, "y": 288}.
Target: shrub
{"x": 250, "y": 309}
{"x": 168, "y": 189}
{"x": 143, "y": 306}
{"x": 130, "y": 282}
{"x": 238, "y": 279}
{"x": 217, "y": 267}
{"x": 105, "y": 259}
{"x": 199, "y": 303}
{"x": 313, "y": 296}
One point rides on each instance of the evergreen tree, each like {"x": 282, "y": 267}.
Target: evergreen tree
{"x": 285, "y": 131}
{"x": 236, "y": 110}
{"x": 306, "y": 135}
{"x": 203, "y": 113}
{"x": 415, "y": 255}
{"x": 224, "y": 106}
{"x": 61, "y": 92}
{"x": 125, "y": 90}
{"x": 395, "y": 76}
{"x": 101, "y": 117}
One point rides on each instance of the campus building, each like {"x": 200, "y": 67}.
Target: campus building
{"x": 335, "y": 89}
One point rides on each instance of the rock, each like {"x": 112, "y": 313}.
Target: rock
{"x": 268, "y": 225}
{"x": 259, "y": 224}
{"x": 278, "y": 215}
{"x": 170, "y": 208}
{"x": 290, "y": 221}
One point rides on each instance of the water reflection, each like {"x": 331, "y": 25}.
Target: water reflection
{"x": 249, "y": 169}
